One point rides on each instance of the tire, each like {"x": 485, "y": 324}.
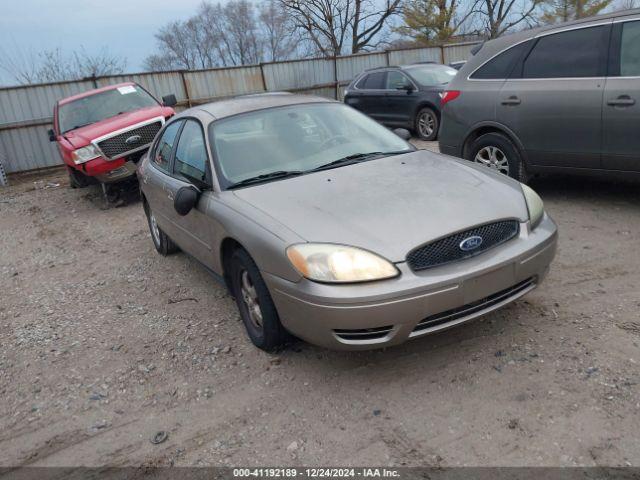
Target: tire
{"x": 78, "y": 179}
{"x": 255, "y": 304}
{"x": 426, "y": 124}
{"x": 161, "y": 240}
{"x": 496, "y": 151}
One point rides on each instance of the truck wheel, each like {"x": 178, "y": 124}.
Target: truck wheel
{"x": 254, "y": 301}
{"x": 78, "y": 179}
{"x": 161, "y": 240}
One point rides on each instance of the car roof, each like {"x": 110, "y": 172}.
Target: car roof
{"x": 249, "y": 103}
{"x": 88, "y": 93}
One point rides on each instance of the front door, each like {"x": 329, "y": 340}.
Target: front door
{"x": 190, "y": 168}
{"x": 553, "y": 100}
{"x": 369, "y": 95}
{"x": 621, "y": 105}
{"x": 400, "y": 100}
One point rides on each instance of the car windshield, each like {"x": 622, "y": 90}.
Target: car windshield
{"x": 99, "y": 106}
{"x": 274, "y": 142}
{"x": 431, "y": 75}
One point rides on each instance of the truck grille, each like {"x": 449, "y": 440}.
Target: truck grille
{"x": 448, "y": 249}
{"x": 117, "y": 146}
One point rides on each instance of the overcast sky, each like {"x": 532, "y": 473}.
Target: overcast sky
{"x": 126, "y": 27}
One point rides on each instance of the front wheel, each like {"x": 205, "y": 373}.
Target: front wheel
{"x": 427, "y": 124}
{"x": 254, "y": 301}
{"x": 495, "y": 151}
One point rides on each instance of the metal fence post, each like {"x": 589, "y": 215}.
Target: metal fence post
{"x": 3, "y": 176}
{"x": 264, "y": 80}
{"x": 185, "y": 85}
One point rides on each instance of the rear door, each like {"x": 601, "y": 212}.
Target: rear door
{"x": 191, "y": 167}
{"x": 368, "y": 96}
{"x": 621, "y": 105}
{"x": 553, "y": 99}
{"x": 155, "y": 177}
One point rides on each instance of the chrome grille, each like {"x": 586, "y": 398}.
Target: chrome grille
{"x": 448, "y": 249}
{"x": 117, "y": 146}
{"x": 475, "y": 307}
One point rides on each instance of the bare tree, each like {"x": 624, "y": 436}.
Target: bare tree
{"x": 427, "y": 21}
{"x": 277, "y": 28}
{"x": 54, "y": 66}
{"x": 565, "y": 10}
{"x": 499, "y": 16}
{"x": 334, "y": 26}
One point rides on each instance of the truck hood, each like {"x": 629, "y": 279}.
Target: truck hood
{"x": 81, "y": 137}
{"x": 389, "y": 205}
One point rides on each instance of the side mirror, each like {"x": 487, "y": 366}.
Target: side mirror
{"x": 169, "y": 100}
{"x": 403, "y": 133}
{"x": 52, "y": 135}
{"x": 407, "y": 88}
{"x": 185, "y": 200}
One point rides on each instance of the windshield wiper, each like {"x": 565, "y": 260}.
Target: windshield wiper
{"x": 355, "y": 158}
{"x": 266, "y": 176}
{"x": 77, "y": 126}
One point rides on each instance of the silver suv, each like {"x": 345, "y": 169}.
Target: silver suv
{"x": 561, "y": 98}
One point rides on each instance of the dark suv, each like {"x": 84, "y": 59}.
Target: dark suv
{"x": 562, "y": 98}
{"x": 402, "y": 97}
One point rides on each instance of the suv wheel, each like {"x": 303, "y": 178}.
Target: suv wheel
{"x": 497, "y": 152}
{"x": 427, "y": 124}
{"x": 161, "y": 241}
{"x": 254, "y": 301}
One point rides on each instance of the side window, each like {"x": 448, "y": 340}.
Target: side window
{"x": 162, "y": 152}
{"x": 500, "y": 66}
{"x": 630, "y": 50}
{"x": 373, "y": 81}
{"x": 576, "y": 53}
{"x": 191, "y": 153}
{"x": 361, "y": 83}
{"x": 397, "y": 81}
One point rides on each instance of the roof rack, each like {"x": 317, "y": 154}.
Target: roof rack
{"x": 381, "y": 67}
{"x": 425, "y": 62}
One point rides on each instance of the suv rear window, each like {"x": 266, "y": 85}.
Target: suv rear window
{"x": 373, "y": 81}
{"x": 576, "y": 53}
{"x": 500, "y": 66}
{"x": 630, "y": 50}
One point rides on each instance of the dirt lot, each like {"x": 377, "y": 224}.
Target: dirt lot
{"x": 103, "y": 343}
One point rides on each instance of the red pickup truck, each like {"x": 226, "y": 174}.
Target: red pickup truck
{"x": 102, "y": 133}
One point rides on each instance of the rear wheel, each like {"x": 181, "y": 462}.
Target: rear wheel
{"x": 161, "y": 240}
{"x": 427, "y": 124}
{"x": 496, "y": 151}
{"x": 254, "y": 301}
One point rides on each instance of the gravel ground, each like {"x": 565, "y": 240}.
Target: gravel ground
{"x": 104, "y": 343}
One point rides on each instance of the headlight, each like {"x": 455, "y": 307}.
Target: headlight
{"x": 84, "y": 154}
{"x": 325, "y": 262}
{"x": 534, "y": 204}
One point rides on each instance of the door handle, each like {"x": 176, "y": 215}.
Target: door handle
{"x": 621, "y": 101}
{"x": 513, "y": 100}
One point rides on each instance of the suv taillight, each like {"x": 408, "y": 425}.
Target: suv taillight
{"x": 448, "y": 95}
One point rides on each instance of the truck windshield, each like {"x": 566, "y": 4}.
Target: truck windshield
{"x": 110, "y": 103}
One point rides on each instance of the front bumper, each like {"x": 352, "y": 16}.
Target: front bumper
{"x": 389, "y": 312}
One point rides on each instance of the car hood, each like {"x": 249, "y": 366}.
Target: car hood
{"x": 389, "y": 205}
{"x": 81, "y": 137}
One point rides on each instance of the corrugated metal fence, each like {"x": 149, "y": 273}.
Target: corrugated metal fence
{"x": 25, "y": 111}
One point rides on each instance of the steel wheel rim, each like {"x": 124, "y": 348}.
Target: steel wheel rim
{"x": 250, "y": 299}
{"x": 426, "y": 124}
{"x": 155, "y": 230}
{"x": 494, "y": 158}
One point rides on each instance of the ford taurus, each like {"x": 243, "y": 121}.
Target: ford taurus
{"x": 328, "y": 226}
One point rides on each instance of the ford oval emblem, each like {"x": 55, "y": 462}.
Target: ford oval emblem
{"x": 133, "y": 139}
{"x": 470, "y": 243}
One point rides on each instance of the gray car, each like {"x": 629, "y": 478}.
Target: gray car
{"x": 326, "y": 225}
{"x": 562, "y": 98}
